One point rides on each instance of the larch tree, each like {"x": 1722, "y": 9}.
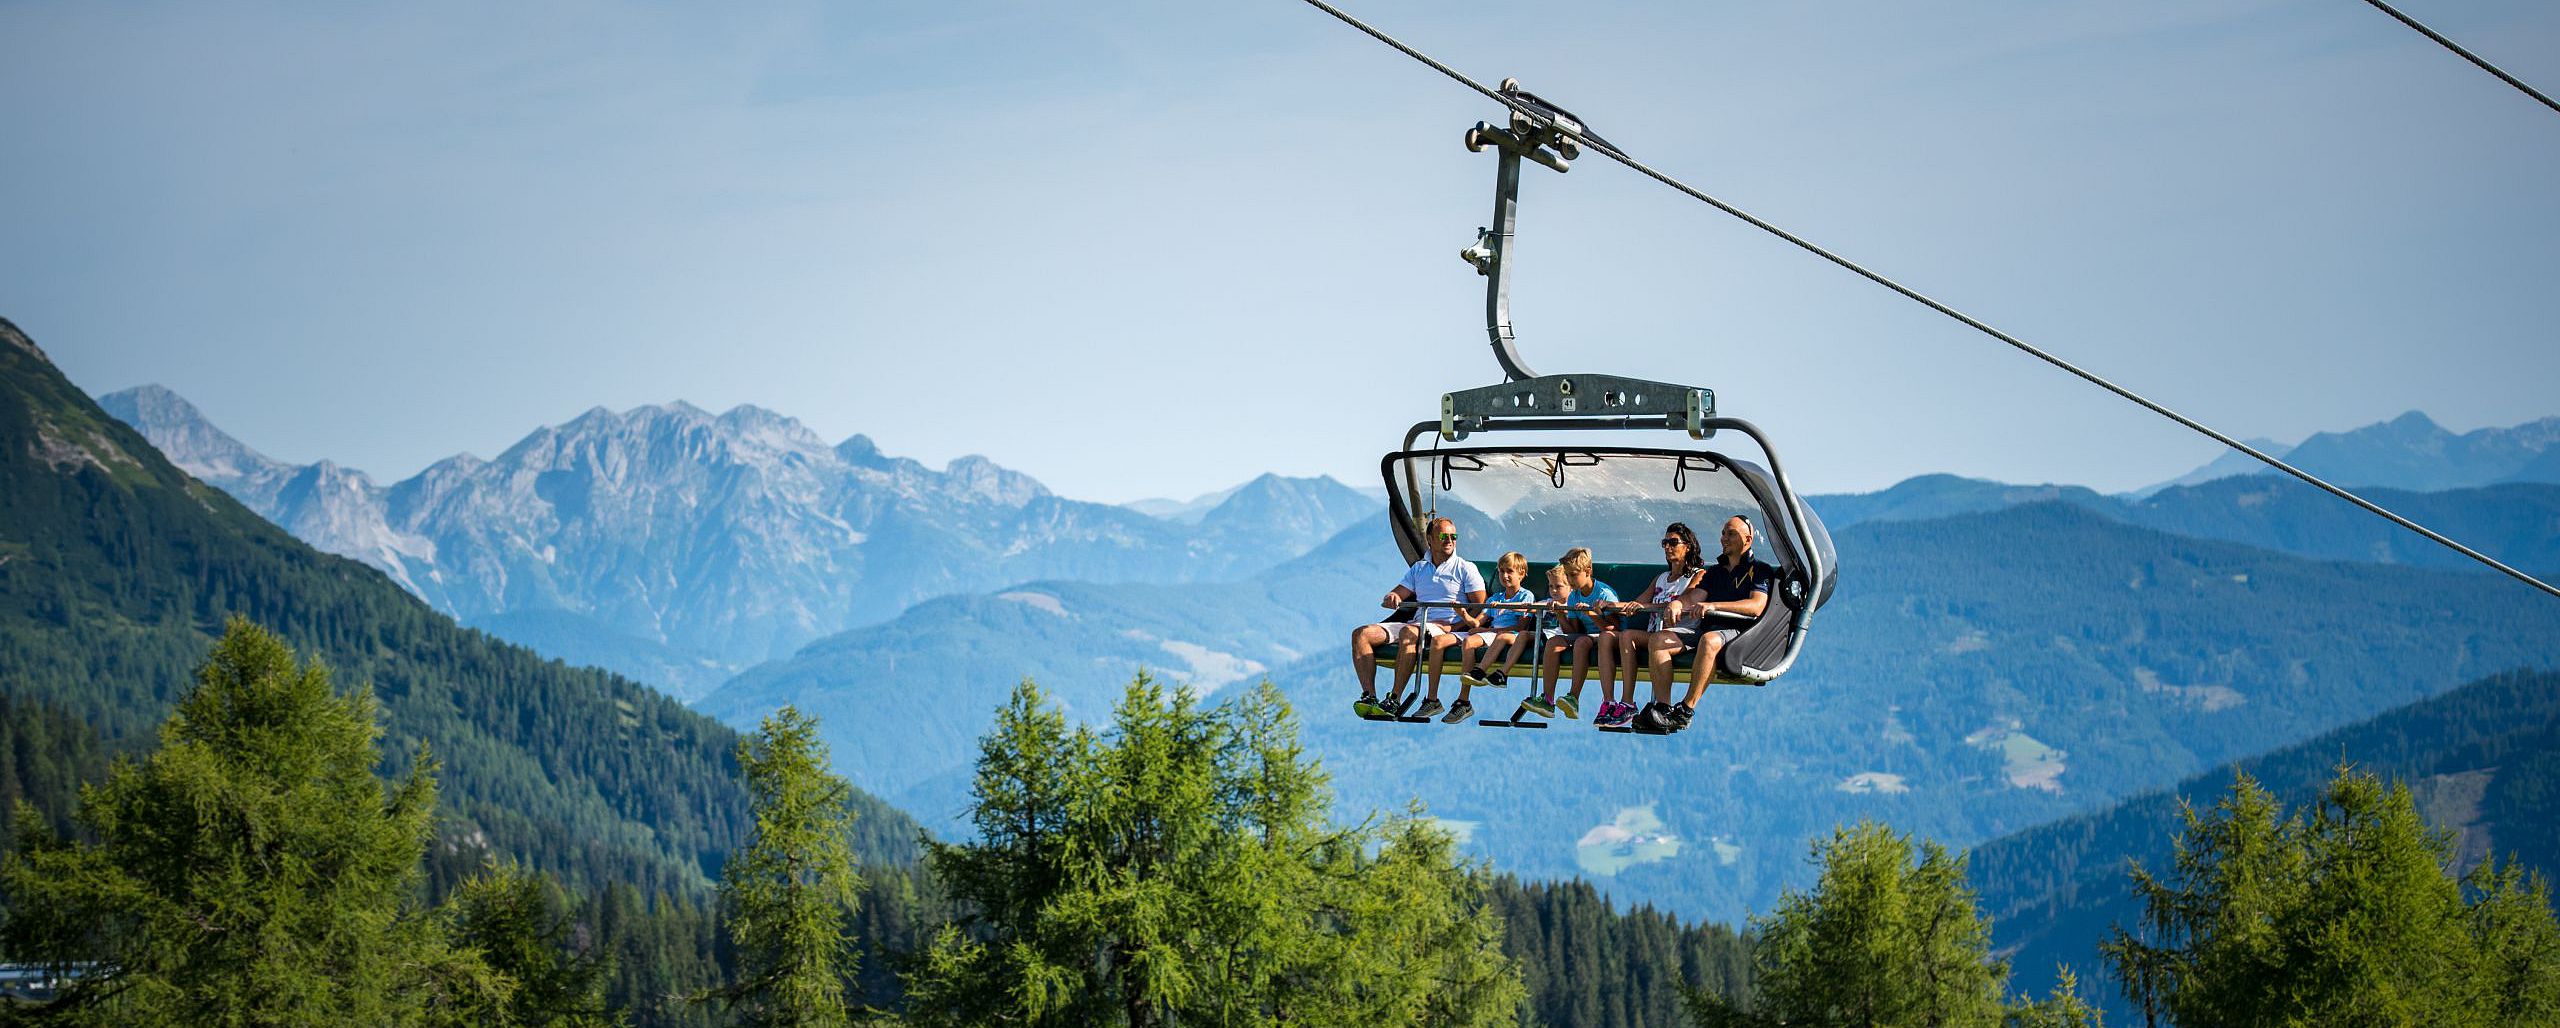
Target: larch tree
{"x": 2344, "y": 914}
{"x": 252, "y": 870}
{"x": 1179, "y": 869}
{"x": 789, "y": 895}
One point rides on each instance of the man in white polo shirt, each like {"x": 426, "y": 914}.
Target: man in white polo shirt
{"x": 1440, "y": 577}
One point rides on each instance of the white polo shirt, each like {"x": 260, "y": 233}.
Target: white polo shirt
{"x": 1451, "y": 581}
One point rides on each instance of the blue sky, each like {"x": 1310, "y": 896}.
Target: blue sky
{"x": 1149, "y": 248}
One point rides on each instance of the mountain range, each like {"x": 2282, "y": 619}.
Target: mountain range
{"x": 2146, "y": 637}
{"x": 679, "y": 547}
{"x": 2407, "y": 452}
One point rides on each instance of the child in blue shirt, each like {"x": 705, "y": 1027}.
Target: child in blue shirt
{"x": 1587, "y": 626}
{"x": 1506, "y": 633}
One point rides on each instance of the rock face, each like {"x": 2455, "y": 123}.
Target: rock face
{"x": 720, "y": 541}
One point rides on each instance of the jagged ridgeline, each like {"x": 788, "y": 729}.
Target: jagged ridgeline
{"x": 117, "y": 570}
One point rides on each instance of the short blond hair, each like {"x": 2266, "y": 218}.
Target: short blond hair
{"x": 1577, "y": 559}
{"x": 1557, "y": 574}
{"x": 1513, "y": 559}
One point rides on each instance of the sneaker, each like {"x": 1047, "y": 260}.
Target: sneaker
{"x": 1429, "y": 707}
{"x": 1367, "y": 706}
{"x": 1654, "y": 720}
{"x": 1458, "y": 711}
{"x": 1538, "y": 706}
{"x": 1612, "y": 715}
{"x": 1497, "y": 678}
{"x": 1474, "y": 678}
{"x": 1572, "y": 711}
{"x": 1677, "y": 716}
{"x": 1398, "y": 704}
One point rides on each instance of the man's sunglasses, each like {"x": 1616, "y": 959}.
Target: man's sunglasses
{"x": 1447, "y": 537}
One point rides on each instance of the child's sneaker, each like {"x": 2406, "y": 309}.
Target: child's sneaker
{"x": 1572, "y": 711}
{"x": 1612, "y": 715}
{"x": 1429, "y": 707}
{"x": 1459, "y": 711}
{"x": 1472, "y": 677}
{"x": 1497, "y": 677}
{"x": 1538, "y": 706}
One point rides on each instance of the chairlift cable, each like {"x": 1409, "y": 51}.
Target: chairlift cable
{"x": 1620, "y": 156}
{"x": 2466, "y": 54}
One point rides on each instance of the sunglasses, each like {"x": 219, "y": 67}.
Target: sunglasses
{"x": 1674, "y": 541}
{"x": 1447, "y": 537}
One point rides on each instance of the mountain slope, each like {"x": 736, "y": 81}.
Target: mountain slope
{"x": 2483, "y": 759}
{"x": 116, "y": 569}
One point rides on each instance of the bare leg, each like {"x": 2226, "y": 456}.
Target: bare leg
{"x": 1666, "y": 647}
{"x": 1405, "y": 656}
{"x": 1607, "y": 644}
{"x": 1365, "y": 641}
{"x": 1708, "y": 647}
{"x": 1582, "y": 648}
{"x": 1632, "y": 646}
{"x": 1554, "y": 666}
{"x": 1439, "y": 644}
{"x": 1478, "y": 647}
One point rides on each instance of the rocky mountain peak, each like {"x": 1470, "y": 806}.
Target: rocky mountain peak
{"x": 189, "y": 439}
{"x": 985, "y": 479}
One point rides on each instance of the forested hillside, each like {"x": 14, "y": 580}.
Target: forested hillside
{"x": 116, "y": 570}
{"x": 2483, "y": 760}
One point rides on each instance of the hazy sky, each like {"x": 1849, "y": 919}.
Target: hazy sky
{"x": 1150, "y": 248}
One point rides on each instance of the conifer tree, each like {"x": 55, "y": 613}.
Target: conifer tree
{"x": 1883, "y": 942}
{"x": 790, "y": 892}
{"x": 253, "y": 870}
{"x": 1180, "y": 870}
{"x": 518, "y": 922}
{"x": 2345, "y": 915}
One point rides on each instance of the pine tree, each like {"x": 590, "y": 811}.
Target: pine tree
{"x": 253, "y": 870}
{"x": 790, "y": 892}
{"x": 1180, "y": 870}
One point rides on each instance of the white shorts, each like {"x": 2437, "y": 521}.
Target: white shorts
{"x": 1398, "y": 630}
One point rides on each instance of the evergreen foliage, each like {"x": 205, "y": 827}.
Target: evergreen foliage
{"x": 1589, "y": 965}
{"x": 253, "y": 870}
{"x": 1882, "y": 941}
{"x": 521, "y": 926}
{"x": 2343, "y": 915}
{"x": 1180, "y": 868}
{"x": 789, "y": 893}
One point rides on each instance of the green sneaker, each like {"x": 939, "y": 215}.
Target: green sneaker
{"x": 1367, "y": 706}
{"x": 1572, "y": 711}
{"x": 1538, "y": 706}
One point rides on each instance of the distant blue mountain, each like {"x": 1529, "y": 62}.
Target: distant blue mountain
{"x": 2408, "y": 452}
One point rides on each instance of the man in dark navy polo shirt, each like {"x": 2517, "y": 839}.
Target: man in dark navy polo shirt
{"x": 1734, "y": 584}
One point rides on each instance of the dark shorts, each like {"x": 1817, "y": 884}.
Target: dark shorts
{"x": 1689, "y": 634}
